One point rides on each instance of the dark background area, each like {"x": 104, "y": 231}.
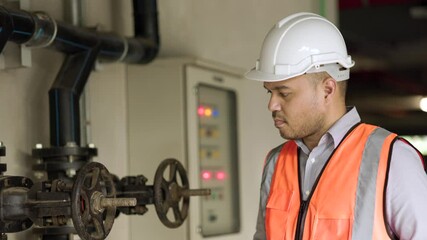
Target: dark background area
{"x": 388, "y": 41}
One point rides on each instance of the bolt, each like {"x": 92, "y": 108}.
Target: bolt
{"x": 141, "y": 179}
{"x": 63, "y": 186}
{"x": 71, "y": 144}
{"x": 6, "y": 182}
{"x": 25, "y": 182}
{"x": 38, "y": 174}
{"x": 62, "y": 220}
{"x": 70, "y": 172}
{"x": 139, "y": 210}
{"x": 71, "y": 158}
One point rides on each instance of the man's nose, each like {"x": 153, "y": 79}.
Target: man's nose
{"x": 273, "y": 104}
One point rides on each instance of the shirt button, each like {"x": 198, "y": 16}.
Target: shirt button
{"x": 307, "y": 192}
{"x": 313, "y": 160}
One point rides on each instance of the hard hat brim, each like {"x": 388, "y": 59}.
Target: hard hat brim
{"x": 256, "y": 75}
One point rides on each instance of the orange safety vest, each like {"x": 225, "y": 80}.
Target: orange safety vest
{"x": 346, "y": 202}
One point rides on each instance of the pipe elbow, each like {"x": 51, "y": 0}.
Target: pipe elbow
{"x": 150, "y": 54}
{"x": 147, "y": 28}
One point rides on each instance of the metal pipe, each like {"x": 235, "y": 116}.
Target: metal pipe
{"x": 146, "y": 27}
{"x": 64, "y": 96}
{"x": 17, "y": 26}
{"x": 39, "y": 30}
{"x": 73, "y": 12}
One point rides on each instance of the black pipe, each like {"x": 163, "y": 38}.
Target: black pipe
{"x": 64, "y": 97}
{"x": 146, "y": 26}
{"x": 20, "y": 23}
{"x": 39, "y": 30}
{"x": 6, "y": 27}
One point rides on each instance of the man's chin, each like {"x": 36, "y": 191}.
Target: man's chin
{"x": 286, "y": 136}
{"x": 283, "y": 135}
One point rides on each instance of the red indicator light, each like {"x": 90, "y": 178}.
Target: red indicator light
{"x": 206, "y": 175}
{"x": 201, "y": 110}
{"x": 220, "y": 175}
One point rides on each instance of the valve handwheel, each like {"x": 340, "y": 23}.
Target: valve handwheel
{"x": 92, "y": 217}
{"x": 171, "y": 193}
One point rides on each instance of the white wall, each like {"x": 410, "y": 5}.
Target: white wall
{"x": 226, "y": 32}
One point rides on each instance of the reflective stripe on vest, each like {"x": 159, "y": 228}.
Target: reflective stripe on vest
{"x": 346, "y": 200}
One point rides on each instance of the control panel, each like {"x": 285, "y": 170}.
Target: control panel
{"x": 213, "y": 148}
{"x": 216, "y": 113}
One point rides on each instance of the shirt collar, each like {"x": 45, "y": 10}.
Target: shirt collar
{"x": 343, "y": 125}
{"x": 338, "y": 130}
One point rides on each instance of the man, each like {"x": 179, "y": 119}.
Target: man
{"x": 335, "y": 178}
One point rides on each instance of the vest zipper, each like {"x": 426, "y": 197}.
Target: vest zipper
{"x": 301, "y": 218}
{"x": 303, "y": 206}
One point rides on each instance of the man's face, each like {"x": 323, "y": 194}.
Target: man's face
{"x": 297, "y": 107}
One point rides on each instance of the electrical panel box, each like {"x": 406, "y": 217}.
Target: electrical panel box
{"x": 212, "y": 110}
{"x": 218, "y": 160}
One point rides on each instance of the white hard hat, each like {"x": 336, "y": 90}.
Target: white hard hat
{"x": 302, "y": 43}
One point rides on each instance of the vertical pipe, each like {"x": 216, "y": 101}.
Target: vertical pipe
{"x": 64, "y": 110}
{"x": 73, "y": 12}
{"x": 65, "y": 94}
{"x": 146, "y": 26}
{"x": 74, "y": 15}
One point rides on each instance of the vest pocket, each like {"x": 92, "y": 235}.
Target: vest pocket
{"x": 280, "y": 200}
{"x": 329, "y": 228}
{"x": 277, "y": 211}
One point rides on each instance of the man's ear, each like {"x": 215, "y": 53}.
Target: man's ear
{"x": 329, "y": 87}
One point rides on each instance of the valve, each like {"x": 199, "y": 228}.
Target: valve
{"x": 91, "y": 201}
{"x": 172, "y": 192}
{"x": 94, "y": 202}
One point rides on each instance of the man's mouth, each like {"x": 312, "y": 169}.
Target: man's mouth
{"x": 278, "y": 122}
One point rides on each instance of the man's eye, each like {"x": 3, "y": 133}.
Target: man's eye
{"x": 284, "y": 94}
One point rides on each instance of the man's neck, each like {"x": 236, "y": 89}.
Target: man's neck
{"x": 312, "y": 141}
